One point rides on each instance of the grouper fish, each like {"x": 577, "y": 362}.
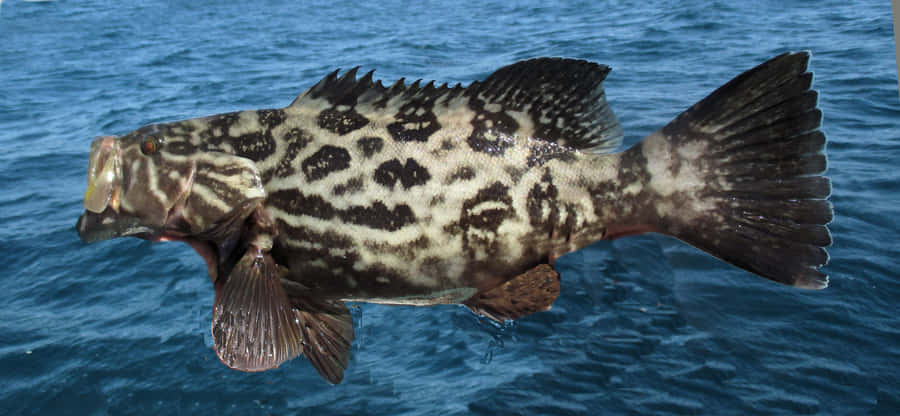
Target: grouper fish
{"x": 424, "y": 194}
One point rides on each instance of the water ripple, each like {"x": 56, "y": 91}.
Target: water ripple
{"x": 644, "y": 325}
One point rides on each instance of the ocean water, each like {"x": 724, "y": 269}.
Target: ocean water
{"x": 644, "y": 325}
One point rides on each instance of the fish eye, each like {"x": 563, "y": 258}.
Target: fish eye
{"x": 150, "y": 144}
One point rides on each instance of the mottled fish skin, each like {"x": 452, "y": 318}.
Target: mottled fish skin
{"x": 425, "y": 198}
{"x": 429, "y": 194}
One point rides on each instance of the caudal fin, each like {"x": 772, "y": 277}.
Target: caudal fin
{"x": 739, "y": 174}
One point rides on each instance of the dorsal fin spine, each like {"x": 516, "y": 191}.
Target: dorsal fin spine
{"x": 349, "y": 76}
{"x": 398, "y": 86}
{"x": 413, "y": 88}
{"x": 321, "y": 85}
{"x": 367, "y": 78}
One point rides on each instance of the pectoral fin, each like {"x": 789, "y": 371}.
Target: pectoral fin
{"x": 253, "y": 324}
{"x": 527, "y": 293}
{"x": 327, "y": 329}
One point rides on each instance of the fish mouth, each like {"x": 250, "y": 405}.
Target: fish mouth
{"x": 93, "y": 227}
{"x": 103, "y": 220}
{"x": 109, "y": 224}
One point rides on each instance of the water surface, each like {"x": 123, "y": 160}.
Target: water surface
{"x": 644, "y": 325}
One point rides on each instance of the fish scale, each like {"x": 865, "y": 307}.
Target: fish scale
{"x": 423, "y": 194}
{"x": 475, "y": 214}
{"x": 344, "y": 146}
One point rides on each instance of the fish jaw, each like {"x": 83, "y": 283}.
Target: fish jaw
{"x": 93, "y": 227}
{"x": 108, "y": 224}
{"x": 102, "y": 219}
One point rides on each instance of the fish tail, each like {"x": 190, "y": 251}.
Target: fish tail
{"x": 739, "y": 175}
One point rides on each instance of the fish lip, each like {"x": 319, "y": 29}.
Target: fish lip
{"x": 104, "y": 175}
{"x": 93, "y": 227}
{"x": 101, "y": 219}
{"x": 108, "y": 224}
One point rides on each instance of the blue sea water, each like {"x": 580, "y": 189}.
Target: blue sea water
{"x": 644, "y": 325}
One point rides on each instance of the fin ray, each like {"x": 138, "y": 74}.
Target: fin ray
{"x": 530, "y": 292}
{"x": 564, "y": 98}
{"x": 253, "y": 326}
{"x": 327, "y": 328}
{"x": 759, "y": 200}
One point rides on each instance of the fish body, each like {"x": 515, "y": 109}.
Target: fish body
{"x": 429, "y": 194}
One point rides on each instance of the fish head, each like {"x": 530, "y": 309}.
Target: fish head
{"x": 162, "y": 183}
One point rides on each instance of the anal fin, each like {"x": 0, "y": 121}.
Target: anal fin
{"x": 530, "y": 292}
{"x": 253, "y": 326}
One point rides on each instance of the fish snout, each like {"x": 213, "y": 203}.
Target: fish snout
{"x": 101, "y": 219}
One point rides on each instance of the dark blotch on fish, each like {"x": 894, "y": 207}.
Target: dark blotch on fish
{"x": 296, "y": 140}
{"x": 271, "y": 118}
{"x": 409, "y": 175}
{"x": 255, "y": 146}
{"x": 326, "y": 160}
{"x": 377, "y": 215}
{"x": 370, "y": 145}
{"x": 543, "y": 193}
{"x": 491, "y": 218}
{"x": 352, "y": 186}
{"x": 463, "y": 173}
{"x": 341, "y": 122}
{"x": 424, "y": 124}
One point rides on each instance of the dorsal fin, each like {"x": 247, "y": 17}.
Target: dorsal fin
{"x": 343, "y": 90}
{"x": 553, "y": 99}
{"x": 563, "y": 97}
